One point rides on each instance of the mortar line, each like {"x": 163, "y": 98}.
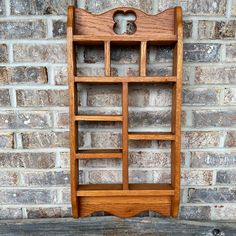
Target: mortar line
{"x": 7, "y": 8}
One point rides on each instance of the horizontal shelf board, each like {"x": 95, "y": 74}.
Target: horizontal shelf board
{"x": 151, "y": 136}
{"x": 161, "y": 38}
{"x": 98, "y": 118}
{"x": 99, "y": 153}
{"x": 129, "y": 79}
{"x": 134, "y": 190}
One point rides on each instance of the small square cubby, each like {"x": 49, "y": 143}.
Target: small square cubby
{"x": 149, "y": 162}
{"x": 98, "y": 135}
{"x": 150, "y": 107}
{"x": 100, "y": 171}
{"x": 99, "y": 99}
{"x": 90, "y": 59}
{"x": 160, "y": 60}
{"x": 125, "y": 59}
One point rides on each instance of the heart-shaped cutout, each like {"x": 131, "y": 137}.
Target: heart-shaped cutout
{"x": 124, "y": 22}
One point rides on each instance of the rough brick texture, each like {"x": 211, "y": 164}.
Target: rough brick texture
{"x": 23, "y": 29}
{"x": 3, "y": 53}
{"x": 23, "y": 75}
{"x": 34, "y": 117}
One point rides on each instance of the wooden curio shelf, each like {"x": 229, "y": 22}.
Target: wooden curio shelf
{"x": 125, "y": 199}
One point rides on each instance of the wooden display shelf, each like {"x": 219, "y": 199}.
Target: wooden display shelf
{"x": 125, "y": 199}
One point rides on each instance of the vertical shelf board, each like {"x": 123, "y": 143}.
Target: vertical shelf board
{"x": 107, "y": 58}
{"x": 176, "y": 113}
{"x": 143, "y": 58}
{"x": 124, "y": 199}
{"x": 73, "y": 110}
{"x": 125, "y": 134}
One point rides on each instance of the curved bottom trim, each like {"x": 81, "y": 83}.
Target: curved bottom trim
{"x": 126, "y": 211}
{"x": 125, "y": 206}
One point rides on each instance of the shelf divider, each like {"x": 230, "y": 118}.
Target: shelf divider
{"x": 125, "y": 135}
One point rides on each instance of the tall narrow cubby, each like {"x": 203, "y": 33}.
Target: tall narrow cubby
{"x": 125, "y": 199}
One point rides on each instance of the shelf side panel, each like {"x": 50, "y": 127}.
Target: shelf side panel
{"x": 73, "y": 109}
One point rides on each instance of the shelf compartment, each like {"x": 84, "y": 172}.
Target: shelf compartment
{"x": 134, "y": 190}
{"x": 151, "y": 136}
{"x": 99, "y": 118}
{"x": 99, "y": 153}
{"x": 128, "y": 79}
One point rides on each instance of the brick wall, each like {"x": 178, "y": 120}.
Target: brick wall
{"x": 34, "y": 134}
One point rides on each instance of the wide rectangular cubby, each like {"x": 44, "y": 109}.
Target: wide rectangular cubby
{"x": 124, "y": 199}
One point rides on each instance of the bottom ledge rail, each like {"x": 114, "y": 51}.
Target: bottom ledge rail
{"x": 124, "y": 207}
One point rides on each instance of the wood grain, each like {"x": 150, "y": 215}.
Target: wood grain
{"x": 163, "y": 39}
{"x": 126, "y": 205}
{"x": 99, "y": 153}
{"x": 125, "y": 135}
{"x": 150, "y": 136}
{"x": 73, "y": 110}
{"x": 107, "y": 58}
{"x": 123, "y": 193}
{"x": 129, "y": 79}
{"x": 176, "y": 113}
{"x": 98, "y": 117}
{"x": 163, "y": 189}
{"x": 102, "y": 24}
{"x": 143, "y": 59}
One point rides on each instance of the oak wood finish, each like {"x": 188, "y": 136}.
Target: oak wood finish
{"x": 73, "y": 111}
{"x": 132, "y": 206}
{"x": 98, "y": 40}
{"x": 125, "y": 134}
{"x": 122, "y": 79}
{"x": 125, "y": 199}
{"x": 150, "y": 136}
{"x": 102, "y": 24}
{"x": 176, "y": 112}
{"x": 99, "y": 153}
{"x": 98, "y": 118}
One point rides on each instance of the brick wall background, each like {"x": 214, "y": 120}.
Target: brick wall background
{"x": 34, "y": 134}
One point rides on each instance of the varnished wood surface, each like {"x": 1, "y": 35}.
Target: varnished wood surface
{"x": 176, "y": 113}
{"x": 124, "y": 209}
{"x": 147, "y": 186}
{"x": 73, "y": 110}
{"x": 150, "y": 136}
{"x": 126, "y": 40}
{"x": 107, "y": 58}
{"x": 99, "y": 153}
{"x": 125, "y": 172}
{"x": 102, "y": 24}
{"x": 143, "y": 59}
{"x": 125, "y": 199}
{"x": 99, "y": 118}
{"x": 128, "y": 79}
{"x": 123, "y": 193}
